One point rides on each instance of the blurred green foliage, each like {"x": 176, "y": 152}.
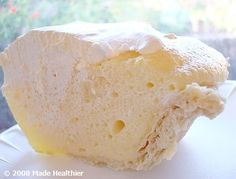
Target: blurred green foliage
{"x": 178, "y": 16}
{"x": 18, "y": 16}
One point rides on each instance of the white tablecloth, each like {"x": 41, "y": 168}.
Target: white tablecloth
{"x": 208, "y": 151}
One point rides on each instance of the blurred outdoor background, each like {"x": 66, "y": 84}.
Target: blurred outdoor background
{"x": 212, "y": 21}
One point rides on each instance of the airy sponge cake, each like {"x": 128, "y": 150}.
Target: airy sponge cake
{"x": 120, "y": 94}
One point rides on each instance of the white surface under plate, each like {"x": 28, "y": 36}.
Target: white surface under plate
{"x": 208, "y": 151}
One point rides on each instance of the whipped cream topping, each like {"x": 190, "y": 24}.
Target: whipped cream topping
{"x": 111, "y": 39}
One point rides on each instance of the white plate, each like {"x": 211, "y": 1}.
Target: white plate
{"x": 207, "y": 151}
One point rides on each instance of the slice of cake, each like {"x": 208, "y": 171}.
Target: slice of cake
{"x": 120, "y": 94}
